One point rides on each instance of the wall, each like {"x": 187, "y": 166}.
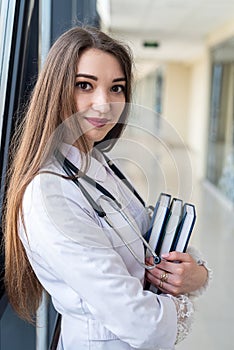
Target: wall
{"x": 176, "y": 96}
{"x": 198, "y": 112}
{"x": 144, "y": 92}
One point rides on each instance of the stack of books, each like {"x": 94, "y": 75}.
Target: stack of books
{"x": 171, "y": 226}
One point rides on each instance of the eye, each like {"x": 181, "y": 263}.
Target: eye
{"x": 118, "y": 88}
{"x": 83, "y": 85}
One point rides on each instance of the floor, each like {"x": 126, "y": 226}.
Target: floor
{"x": 169, "y": 169}
{"x": 214, "y": 235}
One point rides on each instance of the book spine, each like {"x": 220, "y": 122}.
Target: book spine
{"x": 178, "y": 231}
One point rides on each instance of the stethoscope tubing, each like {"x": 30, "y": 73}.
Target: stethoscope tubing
{"x": 70, "y": 169}
{"x": 156, "y": 258}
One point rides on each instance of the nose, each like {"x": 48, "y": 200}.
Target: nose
{"x": 101, "y": 102}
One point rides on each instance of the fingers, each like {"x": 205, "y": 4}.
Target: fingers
{"x": 176, "y": 274}
{"x": 165, "y": 281}
{"x": 158, "y": 277}
{"x": 167, "y": 276}
{"x": 167, "y": 266}
{"x": 177, "y": 256}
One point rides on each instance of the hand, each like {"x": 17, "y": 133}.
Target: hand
{"x": 177, "y": 273}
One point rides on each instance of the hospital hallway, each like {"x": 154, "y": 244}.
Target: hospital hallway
{"x": 213, "y": 235}
{"x": 179, "y": 138}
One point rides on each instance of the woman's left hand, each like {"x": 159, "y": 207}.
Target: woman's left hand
{"x": 177, "y": 273}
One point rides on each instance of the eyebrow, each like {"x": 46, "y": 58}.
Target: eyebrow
{"x": 93, "y": 77}
{"x": 119, "y": 79}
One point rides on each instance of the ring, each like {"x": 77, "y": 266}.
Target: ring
{"x": 160, "y": 284}
{"x": 164, "y": 277}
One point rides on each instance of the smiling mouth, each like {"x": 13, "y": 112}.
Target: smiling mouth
{"x": 98, "y": 122}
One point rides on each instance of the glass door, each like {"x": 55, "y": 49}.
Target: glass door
{"x": 220, "y": 156}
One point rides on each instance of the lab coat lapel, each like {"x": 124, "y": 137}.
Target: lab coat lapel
{"x": 97, "y": 168}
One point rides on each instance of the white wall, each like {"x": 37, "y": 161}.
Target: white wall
{"x": 198, "y": 113}
{"x": 176, "y": 96}
{"x": 145, "y": 91}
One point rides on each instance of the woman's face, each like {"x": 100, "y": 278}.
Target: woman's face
{"x": 99, "y": 93}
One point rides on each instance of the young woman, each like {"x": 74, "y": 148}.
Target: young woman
{"x": 57, "y": 236}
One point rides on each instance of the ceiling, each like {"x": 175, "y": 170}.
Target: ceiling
{"x": 180, "y": 27}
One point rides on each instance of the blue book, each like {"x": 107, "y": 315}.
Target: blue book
{"x": 158, "y": 222}
{"x": 184, "y": 229}
{"x": 173, "y": 220}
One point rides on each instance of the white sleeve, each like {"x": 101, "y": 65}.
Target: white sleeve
{"x": 78, "y": 251}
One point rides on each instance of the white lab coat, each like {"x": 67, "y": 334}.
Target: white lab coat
{"x": 95, "y": 282}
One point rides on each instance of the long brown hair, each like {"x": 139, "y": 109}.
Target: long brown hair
{"x": 52, "y": 100}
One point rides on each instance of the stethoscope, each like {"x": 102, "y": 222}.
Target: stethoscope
{"x": 107, "y": 198}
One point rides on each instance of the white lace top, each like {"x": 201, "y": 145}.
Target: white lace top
{"x": 184, "y": 303}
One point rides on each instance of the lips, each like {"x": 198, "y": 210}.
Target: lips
{"x": 97, "y": 122}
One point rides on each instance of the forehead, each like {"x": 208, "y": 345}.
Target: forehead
{"x": 93, "y": 61}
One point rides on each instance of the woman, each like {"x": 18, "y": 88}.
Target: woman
{"x": 54, "y": 238}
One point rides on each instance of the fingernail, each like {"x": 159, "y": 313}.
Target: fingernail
{"x": 165, "y": 255}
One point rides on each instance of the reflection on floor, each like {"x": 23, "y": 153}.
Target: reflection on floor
{"x": 152, "y": 173}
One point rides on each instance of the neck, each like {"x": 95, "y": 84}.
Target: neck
{"x": 84, "y": 145}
